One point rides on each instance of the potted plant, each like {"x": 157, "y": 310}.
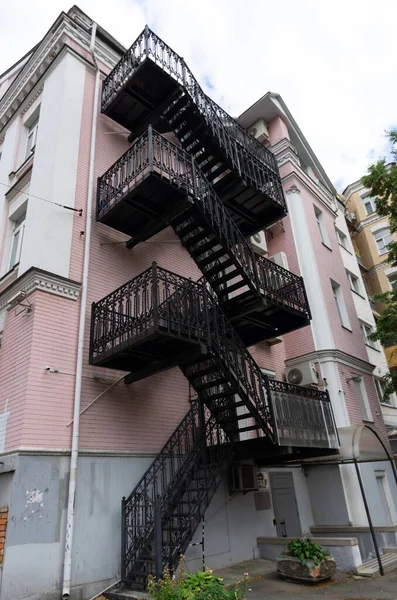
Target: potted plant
{"x": 303, "y": 561}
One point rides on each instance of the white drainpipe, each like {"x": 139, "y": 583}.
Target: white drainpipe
{"x": 67, "y": 562}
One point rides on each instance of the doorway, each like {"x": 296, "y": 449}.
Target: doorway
{"x": 285, "y": 505}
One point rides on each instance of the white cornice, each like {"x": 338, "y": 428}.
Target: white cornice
{"x": 36, "y": 279}
{"x": 333, "y": 355}
{"x": 43, "y": 57}
{"x": 316, "y": 192}
{"x": 381, "y": 265}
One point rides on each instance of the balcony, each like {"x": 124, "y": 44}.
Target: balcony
{"x": 156, "y": 183}
{"x": 141, "y": 191}
{"x": 154, "y": 322}
{"x": 160, "y": 320}
{"x": 152, "y": 84}
{"x": 303, "y": 416}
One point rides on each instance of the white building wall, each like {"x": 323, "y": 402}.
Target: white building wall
{"x": 48, "y": 231}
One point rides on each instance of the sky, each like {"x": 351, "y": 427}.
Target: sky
{"x": 332, "y": 61}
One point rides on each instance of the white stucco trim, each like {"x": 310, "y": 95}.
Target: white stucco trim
{"x": 35, "y": 279}
{"x": 335, "y": 355}
{"x": 379, "y": 226}
{"x": 320, "y": 326}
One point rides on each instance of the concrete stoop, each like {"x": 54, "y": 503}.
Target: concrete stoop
{"x": 371, "y": 568}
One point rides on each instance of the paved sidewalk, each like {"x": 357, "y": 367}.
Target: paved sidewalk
{"x": 264, "y": 584}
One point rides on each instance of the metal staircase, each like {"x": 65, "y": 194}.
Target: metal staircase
{"x": 214, "y": 188}
{"x": 163, "y": 511}
{"x": 156, "y": 183}
{"x": 151, "y": 84}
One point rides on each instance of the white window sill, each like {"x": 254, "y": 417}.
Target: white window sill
{"x": 388, "y": 405}
{"x": 342, "y": 246}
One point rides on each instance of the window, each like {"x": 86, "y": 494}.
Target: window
{"x": 362, "y": 397}
{"x": 17, "y": 238}
{"x": 340, "y": 304}
{"x": 366, "y": 331}
{"x": 31, "y": 139}
{"x": 383, "y": 238}
{"x": 393, "y": 281}
{"x": 321, "y": 226}
{"x": 381, "y": 391}
{"x": 354, "y": 282}
{"x": 342, "y": 239}
{"x": 369, "y": 204}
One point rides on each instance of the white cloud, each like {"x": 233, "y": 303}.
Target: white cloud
{"x": 333, "y": 61}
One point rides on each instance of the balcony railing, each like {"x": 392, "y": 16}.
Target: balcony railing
{"x": 155, "y": 300}
{"x": 303, "y": 416}
{"x": 153, "y": 153}
{"x": 255, "y": 163}
{"x": 160, "y": 301}
{"x": 149, "y": 45}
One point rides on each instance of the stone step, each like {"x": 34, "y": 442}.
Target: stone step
{"x": 371, "y": 568}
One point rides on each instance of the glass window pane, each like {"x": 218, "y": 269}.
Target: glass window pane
{"x": 14, "y": 250}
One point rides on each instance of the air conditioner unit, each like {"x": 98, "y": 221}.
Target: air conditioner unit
{"x": 258, "y": 242}
{"x": 259, "y": 131}
{"x": 244, "y": 478}
{"x": 280, "y": 259}
{"x": 302, "y": 374}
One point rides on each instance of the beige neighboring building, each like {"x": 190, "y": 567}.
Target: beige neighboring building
{"x": 370, "y": 236}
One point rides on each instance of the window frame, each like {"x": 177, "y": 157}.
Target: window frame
{"x": 383, "y": 250}
{"x": 321, "y": 226}
{"x": 354, "y": 282}
{"x": 378, "y": 386}
{"x": 365, "y": 409}
{"x": 393, "y": 279}
{"x": 342, "y": 239}
{"x": 372, "y": 201}
{"x": 18, "y": 230}
{"x": 340, "y": 305}
{"x": 368, "y": 342}
{"x": 31, "y": 138}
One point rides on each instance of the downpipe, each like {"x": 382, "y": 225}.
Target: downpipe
{"x": 67, "y": 561}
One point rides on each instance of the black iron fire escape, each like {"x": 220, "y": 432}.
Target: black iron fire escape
{"x": 214, "y": 186}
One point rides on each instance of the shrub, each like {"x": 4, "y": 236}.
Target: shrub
{"x": 305, "y": 549}
{"x": 202, "y": 585}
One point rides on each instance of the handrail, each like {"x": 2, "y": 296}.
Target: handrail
{"x": 153, "y": 152}
{"x": 182, "y": 451}
{"x": 246, "y": 154}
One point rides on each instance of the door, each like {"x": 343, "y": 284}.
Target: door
{"x": 285, "y": 505}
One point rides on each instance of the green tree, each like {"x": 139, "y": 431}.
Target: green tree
{"x": 381, "y": 180}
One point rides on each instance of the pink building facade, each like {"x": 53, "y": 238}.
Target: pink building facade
{"x": 54, "y": 147}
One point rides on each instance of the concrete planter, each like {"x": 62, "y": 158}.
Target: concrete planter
{"x": 291, "y": 569}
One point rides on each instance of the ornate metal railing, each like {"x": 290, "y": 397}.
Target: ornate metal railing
{"x": 246, "y": 154}
{"x": 152, "y": 152}
{"x": 303, "y": 416}
{"x": 156, "y": 298}
{"x": 156, "y": 501}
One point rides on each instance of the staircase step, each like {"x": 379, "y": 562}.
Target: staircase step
{"x": 214, "y": 256}
{"x": 210, "y": 384}
{"x": 250, "y": 428}
{"x": 371, "y": 568}
{"x": 192, "y": 240}
{"x": 230, "y": 275}
{"x": 199, "y": 250}
{"x": 214, "y": 270}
